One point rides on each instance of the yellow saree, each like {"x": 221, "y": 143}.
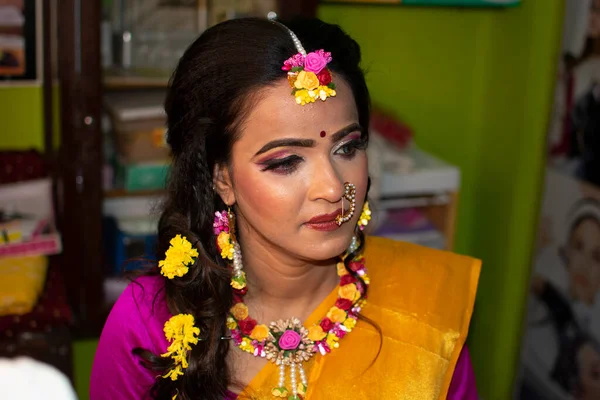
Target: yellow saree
{"x": 422, "y": 300}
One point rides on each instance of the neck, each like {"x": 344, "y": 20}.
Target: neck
{"x": 281, "y": 286}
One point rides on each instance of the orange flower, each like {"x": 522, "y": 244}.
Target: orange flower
{"x": 341, "y": 269}
{"x": 260, "y": 332}
{"x": 336, "y": 315}
{"x": 349, "y": 292}
{"x": 315, "y": 333}
{"x": 239, "y": 311}
{"x": 306, "y": 80}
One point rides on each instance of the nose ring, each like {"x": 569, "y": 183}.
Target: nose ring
{"x": 350, "y": 195}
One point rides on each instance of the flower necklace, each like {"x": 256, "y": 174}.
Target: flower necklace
{"x": 288, "y": 343}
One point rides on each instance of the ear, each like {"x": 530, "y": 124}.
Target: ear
{"x": 223, "y": 184}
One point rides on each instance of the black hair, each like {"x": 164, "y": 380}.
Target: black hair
{"x": 210, "y": 93}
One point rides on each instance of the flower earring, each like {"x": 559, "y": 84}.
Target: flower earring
{"x": 224, "y": 229}
{"x": 363, "y": 221}
{"x": 365, "y": 217}
{"x": 350, "y": 195}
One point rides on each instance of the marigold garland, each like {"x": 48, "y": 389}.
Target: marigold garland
{"x": 182, "y": 333}
{"x": 178, "y": 257}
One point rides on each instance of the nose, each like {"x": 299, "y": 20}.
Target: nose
{"x": 326, "y": 183}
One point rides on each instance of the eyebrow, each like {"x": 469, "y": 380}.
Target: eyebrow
{"x": 308, "y": 142}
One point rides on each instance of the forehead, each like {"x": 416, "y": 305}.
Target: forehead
{"x": 277, "y": 115}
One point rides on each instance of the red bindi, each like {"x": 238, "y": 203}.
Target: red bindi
{"x": 323, "y": 133}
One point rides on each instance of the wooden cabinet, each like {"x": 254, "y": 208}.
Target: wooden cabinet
{"x": 79, "y": 159}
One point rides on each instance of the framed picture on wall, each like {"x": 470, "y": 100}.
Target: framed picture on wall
{"x": 20, "y": 42}
{"x": 440, "y": 3}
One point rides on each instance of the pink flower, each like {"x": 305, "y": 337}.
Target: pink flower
{"x": 314, "y": 62}
{"x": 325, "y": 54}
{"x": 338, "y": 331}
{"x": 356, "y": 265}
{"x": 297, "y": 60}
{"x": 221, "y": 223}
{"x": 289, "y": 340}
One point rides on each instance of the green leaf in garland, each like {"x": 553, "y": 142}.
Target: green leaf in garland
{"x": 331, "y": 85}
{"x": 297, "y": 69}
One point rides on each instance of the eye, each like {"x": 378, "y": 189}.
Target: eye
{"x": 349, "y": 149}
{"x": 282, "y": 166}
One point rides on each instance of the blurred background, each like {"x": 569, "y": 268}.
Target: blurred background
{"x": 485, "y": 142}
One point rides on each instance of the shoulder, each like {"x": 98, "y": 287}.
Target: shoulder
{"x": 135, "y": 321}
{"x": 139, "y": 314}
{"x": 438, "y": 285}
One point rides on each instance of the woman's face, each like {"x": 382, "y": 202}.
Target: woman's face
{"x": 588, "y": 362}
{"x": 583, "y": 253}
{"x": 289, "y": 166}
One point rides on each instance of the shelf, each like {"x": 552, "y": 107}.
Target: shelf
{"x": 122, "y": 193}
{"x": 428, "y": 176}
{"x": 134, "y": 82}
{"x": 117, "y": 79}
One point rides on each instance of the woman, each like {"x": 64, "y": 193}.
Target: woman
{"x": 263, "y": 222}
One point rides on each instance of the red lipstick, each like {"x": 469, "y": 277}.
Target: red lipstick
{"x": 324, "y": 222}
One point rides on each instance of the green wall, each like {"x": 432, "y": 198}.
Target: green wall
{"x": 21, "y": 114}
{"x": 476, "y": 85}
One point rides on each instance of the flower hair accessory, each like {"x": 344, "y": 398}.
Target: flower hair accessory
{"x": 309, "y": 77}
{"x": 178, "y": 257}
{"x": 308, "y": 74}
{"x": 182, "y": 333}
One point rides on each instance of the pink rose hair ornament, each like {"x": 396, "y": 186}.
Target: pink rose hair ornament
{"x": 308, "y": 74}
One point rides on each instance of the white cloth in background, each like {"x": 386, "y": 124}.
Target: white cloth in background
{"x": 23, "y": 378}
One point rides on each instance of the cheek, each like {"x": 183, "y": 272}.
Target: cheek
{"x": 261, "y": 194}
{"x": 359, "y": 175}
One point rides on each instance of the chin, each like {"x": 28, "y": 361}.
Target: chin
{"x": 328, "y": 247}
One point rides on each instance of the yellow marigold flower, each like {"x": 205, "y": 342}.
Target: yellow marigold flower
{"x": 365, "y": 216}
{"x": 239, "y": 311}
{"x": 303, "y": 97}
{"x": 341, "y": 269}
{"x": 174, "y": 373}
{"x": 231, "y": 324}
{"x": 336, "y": 315}
{"x": 260, "y": 333}
{"x": 247, "y": 346}
{"x": 281, "y": 392}
{"x": 315, "y": 333}
{"x": 332, "y": 341}
{"x": 350, "y": 323}
{"x": 182, "y": 333}
{"x": 306, "y": 80}
{"x": 324, "y": 92}
{"x": 349, "y": 292}
{"x": 225, "y": 245}
{"x": 178, "y": 257}
{"x": 238, "y": 282}
{"x": 301, "y": 389}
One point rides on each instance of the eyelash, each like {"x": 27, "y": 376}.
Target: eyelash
{"x": 289, "y": 164}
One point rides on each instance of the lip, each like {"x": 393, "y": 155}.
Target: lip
{"x": 325, "y": 217}
{"x": 324, "y": 222}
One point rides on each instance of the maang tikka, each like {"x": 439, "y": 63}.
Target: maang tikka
{"x": 307, "y": 73}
